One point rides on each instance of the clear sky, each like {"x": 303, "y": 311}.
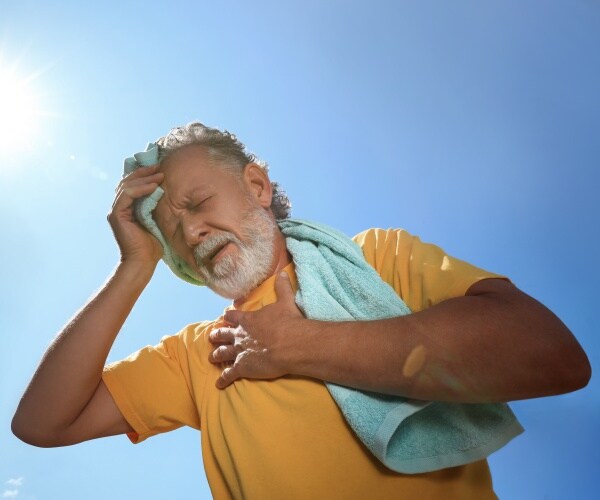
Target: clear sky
{"x": 475, "y": 125}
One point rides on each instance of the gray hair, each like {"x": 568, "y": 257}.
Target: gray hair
{"x": 225, "y": 149}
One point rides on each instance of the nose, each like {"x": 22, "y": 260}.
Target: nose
{"x": 194, "y": 230}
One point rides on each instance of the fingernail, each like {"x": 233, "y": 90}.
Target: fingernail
{"x": 283, "y": 274}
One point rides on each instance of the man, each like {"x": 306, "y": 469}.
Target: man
{"x": 252, "y": 379}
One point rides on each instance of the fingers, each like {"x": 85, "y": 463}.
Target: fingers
{"x": 137, "y": 185}
{"x": 141, "y": 172}
{"x": 138, "y": 174}
{"x": 223, "y": 354}
{"x": 222, "y": 336}
{"x": 233, "y": 317}
{"x": 286, "y": 297}
{"x": 228, "y": 376}
{"x": 283, "y": 288}
{"x": 133, "y": 185}
{"x": 138, "y": 190}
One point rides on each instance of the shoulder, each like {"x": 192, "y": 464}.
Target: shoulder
{"x": 422, "y": 273}
{"x": 377, "y": 235}
{"x": 378, "y": 245}
{"x": 194, "y": 332}
{"x": 188, "y": 342}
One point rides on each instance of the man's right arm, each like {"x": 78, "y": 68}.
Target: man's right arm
{"x": 66, "y": 401}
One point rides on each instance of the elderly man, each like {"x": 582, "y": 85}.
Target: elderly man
{"x": 252, "y": 380}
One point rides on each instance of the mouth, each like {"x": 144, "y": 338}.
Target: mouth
{"x": 217, "y": 252}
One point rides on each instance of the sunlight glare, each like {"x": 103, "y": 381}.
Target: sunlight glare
{"x": 19, "y": 111}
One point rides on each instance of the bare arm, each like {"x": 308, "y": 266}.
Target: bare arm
{"x": 66, "y": 401}
{"x": 494, "y": 344}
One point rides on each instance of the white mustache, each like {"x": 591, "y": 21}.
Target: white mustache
{"x": 210, "y": 245}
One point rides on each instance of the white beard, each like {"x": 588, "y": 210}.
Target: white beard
{"x": 235, "y": 275}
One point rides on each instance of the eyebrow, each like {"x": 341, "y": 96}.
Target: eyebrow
{"x": 203, "y": 190}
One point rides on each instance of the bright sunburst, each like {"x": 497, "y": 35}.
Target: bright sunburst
{"x": 19, "y": 110}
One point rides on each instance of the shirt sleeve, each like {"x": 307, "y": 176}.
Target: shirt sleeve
{"x": 152, "y": 387}
{"x": 421, "y": 273}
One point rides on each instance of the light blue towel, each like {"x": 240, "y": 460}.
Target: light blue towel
{"x": 410, "y": 436}
{"x": 144, "y": 207}
{"x": 337, "y": 284}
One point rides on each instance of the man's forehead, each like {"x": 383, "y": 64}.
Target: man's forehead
{"x": 187, "y": 157}
{"x": 190, "y": 171}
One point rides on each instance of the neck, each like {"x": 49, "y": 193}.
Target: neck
{"x": 281, "y": 258}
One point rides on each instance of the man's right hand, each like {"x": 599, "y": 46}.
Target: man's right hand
{"x": 135, "y": 243}
{"x": 66, "y": 401}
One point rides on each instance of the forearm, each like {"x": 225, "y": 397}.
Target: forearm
{"x": 479, "y": 348}
{"x": 71, "y": 368}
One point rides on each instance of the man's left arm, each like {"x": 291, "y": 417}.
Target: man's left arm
{"x": 493, "y": 344}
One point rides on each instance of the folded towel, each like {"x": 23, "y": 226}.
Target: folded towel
{"x": 144, "y": 207}
{"x": 337, "y": 284}
{"x": 410, "y": 436}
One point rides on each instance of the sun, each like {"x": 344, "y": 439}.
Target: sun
{"x": 19, "y": 111}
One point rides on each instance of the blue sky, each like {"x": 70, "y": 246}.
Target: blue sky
{"x": 472, "y": 124}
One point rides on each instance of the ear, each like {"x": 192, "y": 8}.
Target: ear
{"x": 258, "y": 184}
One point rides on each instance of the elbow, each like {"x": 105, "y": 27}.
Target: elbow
{"x": 22, "y": 432}
{"x": 556, "y": 367}
{"x": 574, "y": 370}
{"x": 581, "y": 376}
{"x": 30, "y": 435}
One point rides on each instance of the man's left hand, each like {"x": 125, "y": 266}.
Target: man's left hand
{"x": 258, "y": 345}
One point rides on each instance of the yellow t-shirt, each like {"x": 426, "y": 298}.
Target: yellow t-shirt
{"x": 286, "y": 438}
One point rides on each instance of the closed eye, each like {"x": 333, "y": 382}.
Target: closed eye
{"x": 194, "y": 207}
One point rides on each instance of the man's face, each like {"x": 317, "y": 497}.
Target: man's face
{"x": 211, "y": 219}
